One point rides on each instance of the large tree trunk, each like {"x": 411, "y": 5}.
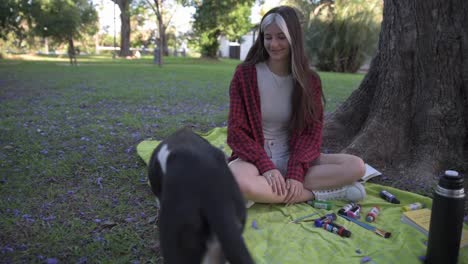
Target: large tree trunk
{"x": 409, "y": 117}
{"x": 124, "y": 6}
{"x": 71, "y": 51}
{"x": 162, "y": 31}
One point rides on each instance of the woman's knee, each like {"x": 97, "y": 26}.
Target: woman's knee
{"x": 356, "y": 166}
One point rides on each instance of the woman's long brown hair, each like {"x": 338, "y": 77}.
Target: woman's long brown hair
{"x": 303, "y": 107}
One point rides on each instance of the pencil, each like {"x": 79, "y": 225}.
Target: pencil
{"x": 302, "y": 218}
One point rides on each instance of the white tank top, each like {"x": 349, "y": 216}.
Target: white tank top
{"x": 275, "y": 100}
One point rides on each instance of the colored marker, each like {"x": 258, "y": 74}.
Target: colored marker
{"x": 321, "y": 204}
{"x": 389, "y": 197}
{"x": 346, "y": 208}
{"x": 373, "y": 213}
{"x": 413, "y": 206}
{"x": 325, "y": 219}
{"x": 337, "y": 229}
{"x": 354, "y": 212}
{"x": 297, "y": 220}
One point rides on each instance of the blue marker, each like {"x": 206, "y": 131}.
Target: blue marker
{"x": 389, "y": 197}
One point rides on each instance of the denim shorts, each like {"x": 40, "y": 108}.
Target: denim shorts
{"x": 278, "y": 152}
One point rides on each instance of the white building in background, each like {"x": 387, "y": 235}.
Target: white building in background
{"x": 236, "y": 50}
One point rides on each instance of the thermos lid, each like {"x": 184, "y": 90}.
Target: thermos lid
{"x": 451, "y": 173}
{"x": 451, "y": 180}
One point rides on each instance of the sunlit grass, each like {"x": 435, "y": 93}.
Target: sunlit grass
{"x": 72, "y": 187}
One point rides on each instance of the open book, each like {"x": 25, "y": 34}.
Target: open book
{"x": 370, "y": 173}
{"x": 421, "y": 219}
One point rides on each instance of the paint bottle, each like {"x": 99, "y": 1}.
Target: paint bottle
{"x": 346, "y": 208}
{"x": 389, "y": 197}
{"x": 337, "y": 229}
{"x": 325, "y": 219}
{"x": 354, "y": 212}
{"x": 413, "y": 206}
{"x": 373, "y": 213}
{"x": 321, "y": 204}
{"x": 445, "y": 229}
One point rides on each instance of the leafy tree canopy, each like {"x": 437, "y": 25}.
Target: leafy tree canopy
{"x": 214, "y": 18}
{"x": 64, "y": 19}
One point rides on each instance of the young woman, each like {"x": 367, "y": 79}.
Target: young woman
{"x": 275, "y": 123}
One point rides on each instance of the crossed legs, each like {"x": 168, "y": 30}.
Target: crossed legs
{"x": 328, "y": 171}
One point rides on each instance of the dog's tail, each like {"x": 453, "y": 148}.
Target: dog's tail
{"x": 228, "y": 229}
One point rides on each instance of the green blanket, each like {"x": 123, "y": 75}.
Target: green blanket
{"x": 271, "y": 238}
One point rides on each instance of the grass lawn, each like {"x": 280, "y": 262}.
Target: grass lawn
{"x": 72, "y": 188}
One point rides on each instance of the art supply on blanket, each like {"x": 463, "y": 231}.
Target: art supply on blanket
{"x": 297, "y": 220}
{"x": 354, "y": 212}
{"x": 374, "y": 229}
{"x": 445, "y": 229}
{"x": 346, "y": 208}
{"x": 337, "y": 229}
{"x": 321, "y": 204}
{"x": 372, "y": 214}
{"x": 328, "y": 218}
{"x": 412, "y": 207}
{"x": 389, "y": 197}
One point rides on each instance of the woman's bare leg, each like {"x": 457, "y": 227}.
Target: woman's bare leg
{"x": 255, "y": 187}
{"x": 334, "y": 170}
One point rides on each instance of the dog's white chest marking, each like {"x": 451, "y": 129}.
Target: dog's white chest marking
{"x": 162, "y": 157}
{"x": 213, "y": 253}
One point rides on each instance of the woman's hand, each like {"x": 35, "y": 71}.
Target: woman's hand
{"x": 294, "y": 188}
{"x": 276, "y": 181}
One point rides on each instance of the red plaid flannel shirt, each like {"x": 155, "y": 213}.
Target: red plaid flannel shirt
{"x": 245, "y": 131}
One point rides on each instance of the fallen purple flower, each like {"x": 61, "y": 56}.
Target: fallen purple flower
{"x": 129, "y": 219}
{"x": 22, "y": 247}
{"x": 254, "y": 224}
{"x": 365, "y": 259}
{"x": 44, "y": 152}
{"x": 71, "y": 192}
{"x": 7, "y": 249}
{"x": 99, "y": 239}
{"x": 82, "y": 260}
{"x": 16, "y": 212}
{"x": 97, "y": 220}
{"x": 49, "y": 218}
{"x": 28, "y": 218}
{"x": 52, "y": 261}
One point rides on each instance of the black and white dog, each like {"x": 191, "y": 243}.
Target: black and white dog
{"x": 202, "y": 210}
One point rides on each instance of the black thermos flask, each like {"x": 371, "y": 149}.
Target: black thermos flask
{"x": 446, "y": 220}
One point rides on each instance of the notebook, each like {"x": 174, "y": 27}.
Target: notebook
{"x": 421, "y": 219}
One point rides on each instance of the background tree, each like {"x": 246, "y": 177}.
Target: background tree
{"x": 409, "y": 117}
{"x": 213, "y": 18}
{"x": 64, "y": 20}
{"x": 341, "y": 34}
{"x": 157, "y": 6}
{"x": 15, "y": 19}
{"x": 125, "y": 13}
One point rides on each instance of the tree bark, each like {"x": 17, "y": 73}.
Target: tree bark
{"x": 71, "y": 51}
{"x": 162, "y": 31}
{"x": 124, "y": 6}
{"x": 409, "y": 116}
